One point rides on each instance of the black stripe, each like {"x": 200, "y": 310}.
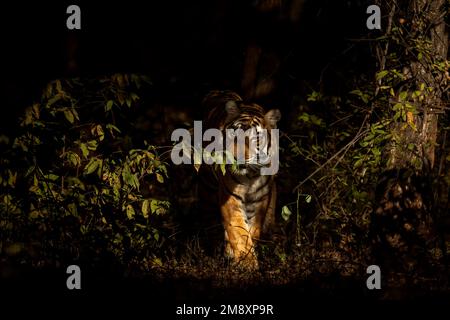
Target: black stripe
{"x": 264, "y": 185}
{"x": 253, "y": 200}
{"x": 235, "y": 179}
{"x": 258, "y": 199}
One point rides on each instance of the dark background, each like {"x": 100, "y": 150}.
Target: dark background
{"x": 186, "y": 47}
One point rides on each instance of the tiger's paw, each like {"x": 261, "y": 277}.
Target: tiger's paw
{"x": 245, "y": 260}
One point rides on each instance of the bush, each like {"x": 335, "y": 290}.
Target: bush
{"x": 71, "y": 180}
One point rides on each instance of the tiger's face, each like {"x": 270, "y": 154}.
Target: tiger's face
{"x": 248, "y": 129}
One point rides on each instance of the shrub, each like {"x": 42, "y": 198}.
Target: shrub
{"x": 71, "y": 180}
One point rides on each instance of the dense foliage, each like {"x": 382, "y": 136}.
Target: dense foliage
{"x": 72, "y": 179}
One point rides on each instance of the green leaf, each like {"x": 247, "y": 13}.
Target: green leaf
{"x": 112, "y": 128}
{"x": 72, "y": 207}
{"x": 92, "y": 145}
{"x": 376, "y": 151}
{"x": 91, "y": 166}
{"x": 74, "y": 158}
{"x": 382, "y": 74}
{"x": 157, "y": 261}
{"x": 69, "y": 116}
{"x": 397, "y": 106}
{"x": 154, "y": 205}
{"x": 53, "y": 100}
{"x": 100, "y": 167}
{"x": 84, "y": 150}
{"x": 58, "y": 85}
{"x": 356, "y": 92}
{"x": 364, "y": 97}
{"x": 363, "y": 144}
{"x": 223, "y": 168}
{"x": 134, "y": 96}
{"x": 83, "y": 229}
{"x": 160, "y": 178}
{"x": 75, "y": 113}
{"x": 308, "y": 198}
{"x": 135, "y": 181}
{"x": 130, "y": 212}
{"x": 314, "y": 96}
{"x": 98, "y": 131}
{"x": 402, "y": 96}
{"x": 145, "y": 207}
{"x": 30, "y": 170}
{"x": 120, "y": 98}
{"x": 304, "y": 117}
{"x": 358, "y": 163}
{"x": 52, "y": 177}
{"x": 109, "y": 105}
{"x": 286, "y": 213}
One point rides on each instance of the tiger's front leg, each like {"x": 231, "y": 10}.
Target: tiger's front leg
{"x": 239, "y": 242}
{"x": 264, "y": 218}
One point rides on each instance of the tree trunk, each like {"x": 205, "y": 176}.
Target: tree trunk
{"x": 427, "y": 23}
{"x": 402, "y": 223}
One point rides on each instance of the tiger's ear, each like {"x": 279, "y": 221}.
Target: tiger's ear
{"x": 232, "y": 110}
{"x": 272, "y": 117}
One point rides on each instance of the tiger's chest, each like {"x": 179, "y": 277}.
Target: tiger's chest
{"x": 253, "y": 193}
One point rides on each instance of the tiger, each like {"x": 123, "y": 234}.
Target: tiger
{"x": 245, "y": 198}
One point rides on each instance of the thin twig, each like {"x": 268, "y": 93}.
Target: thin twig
{"x": 352, "y": 142}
